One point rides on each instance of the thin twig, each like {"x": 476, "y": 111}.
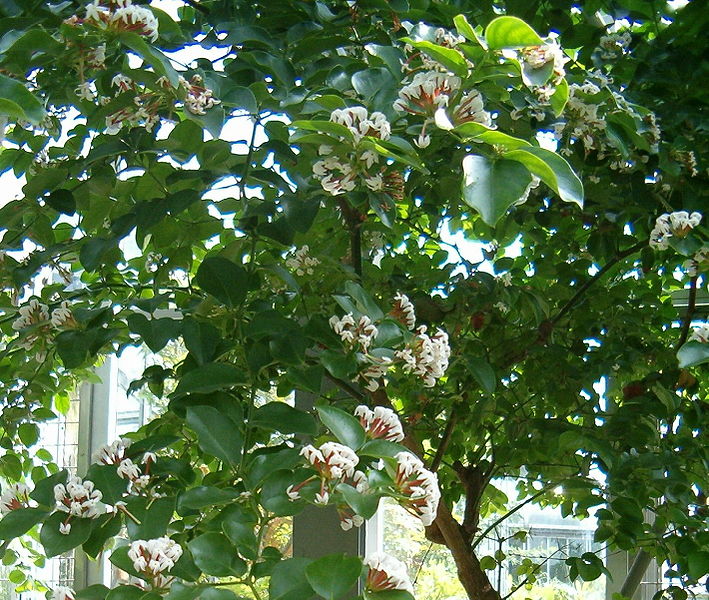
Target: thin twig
{"x": 445, "y": 440}
{"x": 582, "y": 290}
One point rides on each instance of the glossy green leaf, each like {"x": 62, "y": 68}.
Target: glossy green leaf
{"x": 450, "y": 58}
{"x": 510, "y": 32}
{"x": 346, "y": 428}
{"x": 223, "y": 279}
{"x": 216, "y": 433}
{"x": 493, "y": 186}
{"x": 288, "y": 580}
{"x": 286, "y": 419}
{"x": 17, "y": 102}
{"x": 692, "y": 354}
{"x": 19, "y": 521}
{"x": 334, "y": 575}
{"x": 209, "y": 377}
{"x": 215, "y": 555}
{"x": 56, "y": 543}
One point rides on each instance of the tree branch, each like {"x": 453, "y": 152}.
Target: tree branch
{"x": 607, "y": 267}
{"x": 445, "y": 440}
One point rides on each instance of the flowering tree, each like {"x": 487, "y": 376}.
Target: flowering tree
{"x": 448, "y": 225}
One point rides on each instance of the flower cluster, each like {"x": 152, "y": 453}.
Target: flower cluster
{"x": 431, "y": 92}
{"x": 78, "y": 499}
{"x": 614, "y": 44}
{"x": 381, "y": 423}
{"x": 113, "y": 453}
{"x": 418, "y": 487}
{"x": 537, "y": 57}
{"x": 426, "y": 355}
{"x": 403, "y": 310}
{"x": 334, "y": 463}
{"x": 122, "y": 15}
{"x": 301, "y": 262}
{"x": 340, "y": 173}
{"x": 138, "y": 479}
{"x": 583, "y": 122}
{"x": 362, "y": 332}
{"x": 700, "y": 334}
{"x": 14, "y": 496}
{"x": 198, "y": 97}
{"x": 153, "y": 558}
{"x": 698, "y": 263}
{"x": 386, "y": 573}
{"x": 34, "y": 323}
{"x": 676, "y": 224}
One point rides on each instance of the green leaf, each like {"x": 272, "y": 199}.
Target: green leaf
{"x": 483, "y": 373}
{"x": 19, "y": 521}
{"x": 71, "y": 348}
{"x": 448, "y": 57}
{"x": 335, "y": 129}
{"x": 156, "y": 333}
{"x": 215, "y": 555}
{"x": 334, "y": 575}
{"x": 510, "y": 32}
{"x": 212, "y": 593}
{"x": 216, "y": 433}
{"x": 125, "y": 592}
{"x": 560, "y": 97}
{"x": 371, "y": 82}
{"x": 476, "y": 131}
{"x": 29, "y": 434}
{"x": 365, "y": 303}
{"x": 491, "y": 187}
{"x": 698, "y": 563}
{"x": 346, "y": 428}
{"x": 105, "y": 527}
{"x": 203, "y": 496}
{"x": 284, "y": 418}
{"x": 364, "y": 505}
{"x": 56, "y": 543}
{"x": 107, "y": 480}
{"x": 380, "y": 449}
{"x": 223, "y": 279}
{"x": 160, "y": 63}
{"x": 93, "y": 592}
{"x": 209, "y": 378}
{"x": 552, "y": 169}
{"x": 288, "y": 580}
{"x": 119, "y": 557}
{"x": 466, "y": 30}
{"x": 154, "y": 517}
{"x": 388, "y": 595}
{"x": 692, "y": 354}
{"x": 62, "y": 201}
{"x": 201, "y": 339}
{"x": 17, "y": 102}
{"x": 43, "y": 492}
{"x": 243, "y": 537}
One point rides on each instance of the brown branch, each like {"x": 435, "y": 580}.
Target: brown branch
{"x": 607, "y": 267}
{"x": 691, "y": 307}
{"x": 346, "y": 387}
{"x": 445, "y": 440}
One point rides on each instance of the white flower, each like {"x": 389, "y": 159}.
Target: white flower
{"x": 361, "y": 124}
{"x": 331, "y": 460}
{"x": 538, "y": 56}
{"x": 62, "y": 317}
{"x": 96, "y": 58}
{"x": 65, "y": 528}
{"x": 502, "y": 307}
{"x": 363, "y": 332}
{"x": 471, "y": 109}
{"x": 378, "y": 368}
{"x": 32, "y": 313}
{"x": 675, "y": 224}
{"x": 700, "y": 334}
{"x": 79, "y": 498}
{"x": 63, "y": 593}
{"x": 301, "y": 262}
{"x": 419, "y": 485}
{"x": 381, "y": 422}
{"x": 128, "y": 470}
{"x": 135, "y": 18}
{"x": 426, "y": 93}
{"x": 122, "y": 82}
{"x": 386, "y": 573}
{"x": 322, "y": 497}
{"x": 292, "y": 493}
{"x": 404, "y": 310}
{"x": 423, "y": 140}
{"x": 505, "y": 279}
{"x": 84, "y": 91}
{"x": 199, "y": 98}
{"x": 426, "y": 356}
{"x": 113, "y": 453}
{"x": 613, "y": 44}
{"x": 152, "y": 558}
{"x": 14, "y": 496}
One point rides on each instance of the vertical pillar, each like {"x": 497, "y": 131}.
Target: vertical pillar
{"x": 317, "y": 531}
{"x": 96, "y": 425}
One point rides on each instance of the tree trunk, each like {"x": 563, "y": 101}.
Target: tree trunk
{"x": 471, "y": 575}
